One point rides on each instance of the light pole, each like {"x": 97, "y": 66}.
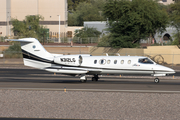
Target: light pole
{"x": 59, "y": 29}
{"x": 9, "y": 26}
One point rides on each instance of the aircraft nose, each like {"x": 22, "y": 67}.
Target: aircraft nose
{"x": 173, "y": 71}
{"x": 170, "y": 71}
{"x": 164, "y": 70}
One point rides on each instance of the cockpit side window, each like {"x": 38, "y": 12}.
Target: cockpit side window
{"x": 145, "y": 61}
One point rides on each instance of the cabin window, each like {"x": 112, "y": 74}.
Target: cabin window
{"x": 122, "y": 61}
{"x": 80, "y": 59}
{"x": 115, "y": 61}
{"x": 34, "y": 46}
{"x": 109, "y": 61}
{"x": 145, "y": 61}
{"x": 102, "y": 61}
{"x": 129, "y": 61}
{"x": 95, "y": 61}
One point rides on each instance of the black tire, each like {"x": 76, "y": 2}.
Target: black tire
{"x": 156, "y": 80}
{"x": 83, "y": 81}
{"x": 94, "y": 79}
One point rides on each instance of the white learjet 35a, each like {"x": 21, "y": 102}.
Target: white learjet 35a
{"x": 34, "y": 55}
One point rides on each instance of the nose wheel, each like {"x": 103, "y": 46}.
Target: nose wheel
{"x": 156, "y": 80}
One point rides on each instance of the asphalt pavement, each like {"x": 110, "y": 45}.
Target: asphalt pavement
{"x": 29, "y": 93}
{"x": 34, "y": 79}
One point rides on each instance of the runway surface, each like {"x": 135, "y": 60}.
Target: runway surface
{"x": 34, "y": 79}
{"x": 31, "y": 93}
{"x": 33, "y": 119}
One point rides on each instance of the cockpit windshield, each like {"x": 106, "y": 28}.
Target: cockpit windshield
{"x": 145, "y": 61}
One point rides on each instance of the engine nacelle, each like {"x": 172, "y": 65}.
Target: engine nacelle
{"x": 72, "y": 60}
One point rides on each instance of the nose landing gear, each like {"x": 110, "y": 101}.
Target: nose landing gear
{"x": 156, "y": 80}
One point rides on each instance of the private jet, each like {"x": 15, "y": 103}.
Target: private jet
{"x": 34, "y": 55}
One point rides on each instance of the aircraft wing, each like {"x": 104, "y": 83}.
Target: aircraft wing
{"x": 72, "y": 70}
{"x": 94, "y": 71}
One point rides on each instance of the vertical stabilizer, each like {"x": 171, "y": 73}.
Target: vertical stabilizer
{"x": 34, "y": 54}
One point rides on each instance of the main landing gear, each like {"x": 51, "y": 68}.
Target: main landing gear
{"x": 156, "y": 80}
{"x": 95, "y": 78}
{"x": 84, "y": 79}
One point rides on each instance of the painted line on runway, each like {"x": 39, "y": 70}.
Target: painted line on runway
{"x": 91, "y": 90}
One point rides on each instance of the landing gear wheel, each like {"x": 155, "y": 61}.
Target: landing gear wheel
{"x": 83, "y": 78}
{"x": 94, "y": 79}
{"x": 156, "y": 80}
{"x": 83, "y": 81}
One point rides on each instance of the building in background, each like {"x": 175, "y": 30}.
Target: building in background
{"x": 101, "y": 26}
{"x": 166, "y": 2}
{"x": 166, "y": 37}
{"x": 49, "y": 9}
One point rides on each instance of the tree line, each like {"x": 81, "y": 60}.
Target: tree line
{"x": 128, "y": 21}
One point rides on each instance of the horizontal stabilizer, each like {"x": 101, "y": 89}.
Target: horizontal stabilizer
{"x": 20, "y": 40}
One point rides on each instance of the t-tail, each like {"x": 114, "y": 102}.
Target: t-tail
{"x": 34, "y": 54}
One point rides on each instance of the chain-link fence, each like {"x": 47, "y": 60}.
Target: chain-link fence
{"x": 86, "y": 40}
{"x": 62, "y": 40}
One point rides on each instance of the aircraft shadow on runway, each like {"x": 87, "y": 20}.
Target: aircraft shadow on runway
{"x": 40, "y": 76}
{"x": 74, "y": 80}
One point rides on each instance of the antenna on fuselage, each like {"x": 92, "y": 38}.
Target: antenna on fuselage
{"x": 118, "y": 54}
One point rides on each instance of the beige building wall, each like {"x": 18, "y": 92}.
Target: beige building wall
{"x": 73, "y": 28}
{"x": 3, "y": 10}
{"x": 167, "y": 54}
{"x": 50, "y": 9}
{"x": 22, "y": 8}
{"x": 2, "y": 31}
{"x": 5, "y": 14}
{"x": 98, "y": 51}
